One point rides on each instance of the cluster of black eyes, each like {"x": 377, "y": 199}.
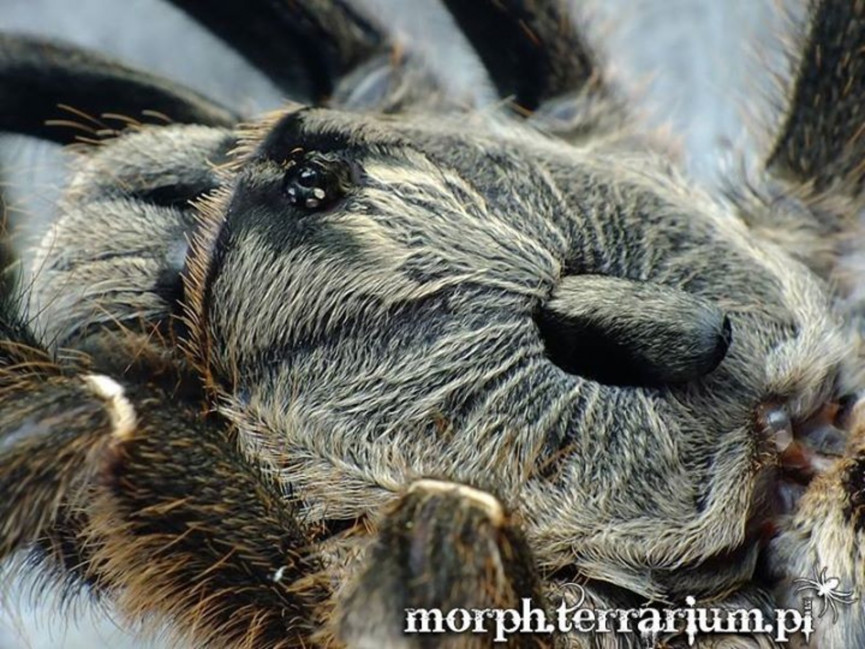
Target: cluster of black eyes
{"x": 315, "y": 181}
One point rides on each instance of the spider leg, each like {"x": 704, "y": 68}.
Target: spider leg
{"x": 37, "y": 75}
{"x": 303, "y": 46}
{"x": 530, "y": 47}
{"x": 183, "y": 527}
{"x": 54, "y": 423}
{"x": 809, "y": 197}
{"x": 831, "y": 604}
{"x": 51, "y": 427}
{"x": 442, "y": 546}
{"x": 826, "y": 531}
{"x": 150, "y": 501}
{"x": 823, "y": 606}
{"x": 822, "y": 136}
{"x": 536, "y": 56}
{"x": 173, "y": 521}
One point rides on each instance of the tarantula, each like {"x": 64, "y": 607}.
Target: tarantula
{"x": 278, "y": 381}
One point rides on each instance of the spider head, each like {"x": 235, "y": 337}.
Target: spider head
{"x": 376, "y": 302}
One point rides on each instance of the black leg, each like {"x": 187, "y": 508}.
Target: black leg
{"x": 530, "y": 47}
{"x": 443, "y": 546}
{"x": 304, "y": 46}
{"x": 810, "y": 197}
{"x": 38, "y": 76}
{"x": 182, "y": 526}
{"x": 823, "y": 136}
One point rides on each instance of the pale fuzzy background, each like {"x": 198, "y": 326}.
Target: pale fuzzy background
{"x": 696, "y": 66}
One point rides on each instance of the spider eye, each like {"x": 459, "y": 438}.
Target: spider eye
{"x": 315, "y": 181}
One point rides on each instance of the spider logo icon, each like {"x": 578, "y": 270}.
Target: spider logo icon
{"x": 827, "y": 589}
